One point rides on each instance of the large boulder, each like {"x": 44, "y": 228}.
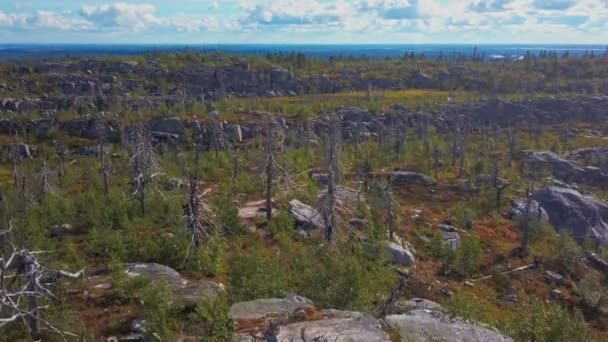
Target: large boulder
{"x": 167, "y": 125}
{"x": 338, "y": 327}
{"x": 519, "y": 208}
{"x": 355, "y": 114}
{"x": 549, "y": 161}
{"x": 306, "y": 216}
{"x": 425, "y": 321}
{"x": 563, "y": 169}
{"x": 422, "y": 326}
{"x": 405, "y": 178}
{"x": 597, "y": 156}
{"x": 578, "y": 214}
{"x": 400, "y": 255}
{"x": 270, "y": 308}
{"x": 189, "y": 293}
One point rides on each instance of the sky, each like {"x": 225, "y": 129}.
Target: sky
{"x": 304, "y": 21}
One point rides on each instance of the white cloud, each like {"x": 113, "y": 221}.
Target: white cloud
{"x": 392, "y": 9}
{"x": 295, "y": 12}
{"x": 52, "y": 20}
{"x": 7, "y": 19}
{"x": 121, "y": 15}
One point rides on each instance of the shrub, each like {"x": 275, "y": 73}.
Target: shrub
{"x": 559, "y": 251}
{"x": 347, "y": 281}
{"x": 124, "y": 288}
{"x": 467, "y": 258}
{"x": 158, "y": 310}
{"x": 215, "y": 316}
{"x": 469, "y": 307}
{"x": 545, "y": 323}
{"x": 227, "y": 214}
{"x": 283, "y": 222}
{"x": 255, "y": 274}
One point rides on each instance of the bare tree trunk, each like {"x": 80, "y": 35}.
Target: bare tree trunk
{"x": 436, "y": 156}
{"x": 512, "y": 143}
{"x": 269, "y": 168}
{"x": 389, "y": 213}
{"x": 141, "y": 198}
{"x": 32, "y": 303}
{"x": 15, "y": 174}
{"x": 44, "y": 182}
{"x": 526, "y": 228}
{"x": 333, "y": 178}
{"x": 105, "y": 173}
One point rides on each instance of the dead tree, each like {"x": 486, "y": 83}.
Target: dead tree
{"x": 61, "y": 154}
{"x": 525, "y": 227}
{"x": 424, "y": 133}
{"x": 397, "y": 291}
{"x": 274, "y": 167}
{"x": 464, "y": 139}
{"x": 390, "y": 212}
{"x": 235, "y": 168}
{"x": 45, "y": 188}
{"x": 15, "y": 160}
{"x": 199, "y": 222}
{"x": 455, "y": 136}
{"x": 511, "y": 139}
{"x": 105, "y": 170}
{"x": 400, "y": 139}
{"x": 498, "y": 183}
{"x": 436, "y": 161}
{"x": 270, "y": 163}
{"x": 24, "y": 282}
{"x": 142, "y": 160}
{"x": 333, "y": 179}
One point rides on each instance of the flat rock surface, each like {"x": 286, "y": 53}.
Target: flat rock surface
{"x": 362, "y": 328}
{"x": 421, "y": 325}
{"x": 269, "y": 307}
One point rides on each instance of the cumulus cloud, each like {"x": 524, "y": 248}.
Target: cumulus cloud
{"x": 392, "y": 9}
{"x": 7, "y": 19}
{"x": 295, "y": 12}
{"x": 121, "y": 15}
{"x": 553, "y": 4}
{"x": 489, "y": 5}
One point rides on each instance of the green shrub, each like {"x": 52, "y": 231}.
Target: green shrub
{"x": 469, "y": 307}
{"x": 545, "y": 323}
{"x": 347, "y": 281}
{"x": 124, "y": 288}
{"x": 255, "y": 274}
{"x": 468, "y": 255}
{"x": 227, "y": 214}
{"x": 158, "y": 310}
{"x": 105, "y": 242}
{"x": 215, "y": 316}
{"x": 283, "y": 222}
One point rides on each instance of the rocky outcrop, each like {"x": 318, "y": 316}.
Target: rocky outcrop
{"x": 306, "y": 216}
{"x": 521, "y": 207}
{"x": 595, "y": 156}
{"x": 274, "y": 308}
{"x": 400, "y": 255}
{"x": 426, "y": 325}
{"x": 189, "y": 293}
{"x": 424, "y": 320}
{"x": 562, "y": 169}
{"x": 407, "y": 178}
{"x": 580, "y": 215}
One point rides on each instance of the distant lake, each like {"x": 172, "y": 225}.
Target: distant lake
{"x": 42, "y": 51}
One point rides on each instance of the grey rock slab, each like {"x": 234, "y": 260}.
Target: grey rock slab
{"x": 270, "y": 308}
{"x": 429, "y": 325}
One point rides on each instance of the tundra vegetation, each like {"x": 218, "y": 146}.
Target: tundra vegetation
{"x": 173, "y": 196}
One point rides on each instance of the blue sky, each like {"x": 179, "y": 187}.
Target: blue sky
{"x": 304, "y": 21}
